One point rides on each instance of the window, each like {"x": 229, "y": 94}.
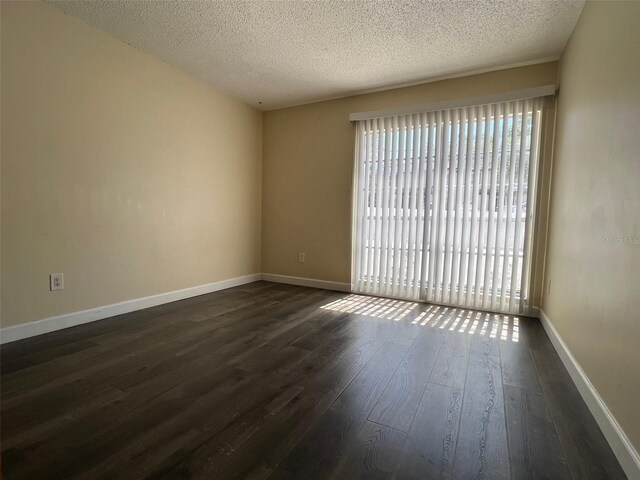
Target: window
{"x": 444, "y": 204}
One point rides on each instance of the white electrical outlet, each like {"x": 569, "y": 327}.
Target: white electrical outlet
{"x": 301, "y": 257}
{"x": 56, "y": 281}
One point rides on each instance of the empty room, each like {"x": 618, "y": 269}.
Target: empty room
{"x": 320, "y": 239}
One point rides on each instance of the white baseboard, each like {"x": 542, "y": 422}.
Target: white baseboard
{"x": 51, "y": 324}
{"x": 307, "y": 282}
{"x": 620, "y": 444}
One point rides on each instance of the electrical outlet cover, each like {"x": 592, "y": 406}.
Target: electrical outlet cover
{"x": 56, "y": 281}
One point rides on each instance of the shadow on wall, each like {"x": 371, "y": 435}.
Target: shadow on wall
{"x": 456, "y": 320}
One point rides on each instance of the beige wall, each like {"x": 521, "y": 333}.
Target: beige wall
{"x": 308, "y": 164}
{"x": 595, "y": 276}
{"x": 123, "y": 173}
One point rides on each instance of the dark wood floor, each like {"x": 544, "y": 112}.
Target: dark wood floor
{"x": 270, "y": 381}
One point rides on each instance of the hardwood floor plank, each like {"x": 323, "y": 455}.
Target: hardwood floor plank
{"x": 517, "y": 366}
{"x": 18, "y": 416}
{"x": 486, "y": 340}
{"x": 373, "y": 455}
{"x": 100, "y": 413}
{"x": 535, "y": 450}
{"x": 245, "y": 447}
{"x": 399, "y": 402}
{"x": 326, "y": 353}
{"x": 482, "y": 449}
{"x": 431, "y": 443}
{"x": 364, "y": 391}
{"x": 450, "y": 368}
{"x": 11, "y": 364}
{"x": 100, "y": 445}
{"x": 339, "y": 426}
{"x": 362, "y": 349}
{"x": 287, "y": 396}
{"x": 266, "y": 357}
{"x": 213, "y": 413}
{"x": 318, "y": 454}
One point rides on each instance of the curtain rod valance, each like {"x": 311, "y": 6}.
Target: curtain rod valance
{"x": 536, "y": 92}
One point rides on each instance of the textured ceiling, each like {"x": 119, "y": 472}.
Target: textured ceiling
{"x": 285, "y": 53}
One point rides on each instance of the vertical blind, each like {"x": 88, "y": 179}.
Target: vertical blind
{"x": 444, "y": 204}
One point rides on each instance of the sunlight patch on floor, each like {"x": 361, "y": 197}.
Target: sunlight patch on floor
{"x": 451, "y": 319}
{"x": 385, "y": 308}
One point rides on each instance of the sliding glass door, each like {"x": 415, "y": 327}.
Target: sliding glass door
{"x": 444, "y": 205}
